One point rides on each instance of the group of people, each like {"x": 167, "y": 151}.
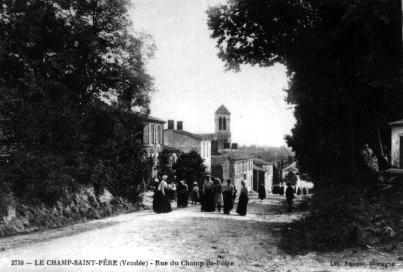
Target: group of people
{"x": 289, "y": 194}
{"x": 279, "y": 189}
{"x": 212, "y": 195}
{"x": 215, "y": 196}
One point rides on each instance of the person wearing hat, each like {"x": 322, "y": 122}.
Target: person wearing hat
{"x": 243, "y": 200}
{"x": 289, "y": 194}
{"x": 182, "y": 198}
{"x": 228, "y": 191}
{"x": 195, "y": 193}
{"x": 161, "y": 202}
{"x": 208, "y": 204}
{"x": 218, "y": 194}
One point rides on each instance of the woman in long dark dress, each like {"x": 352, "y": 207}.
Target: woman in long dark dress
{"x": 182, "y": 190}
{"x": 218, "y": 198}
{"x": 243, "y": 200}
{"x": 262, "y": 192}
{"x": 228, "y": 191}
{"x": 208, "y": 196}
{"x": 161, "y": 203}
{"x": 202, "y": 197}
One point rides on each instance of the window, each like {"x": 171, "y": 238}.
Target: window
{"x": 146, "y": 135}
{"x": 160, "y": 132}
{"x": 152, "y": 133}
{"x": 224, "y": 123}
{"x": 155, "y": 134}
{"x": 149, "y": 134}
{"x": 220, "y": 123}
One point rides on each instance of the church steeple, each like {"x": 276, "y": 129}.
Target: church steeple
{"x": 222, "y": 120}
{"x": 222, "y": 133}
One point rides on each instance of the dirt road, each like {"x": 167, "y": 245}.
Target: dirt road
{"x": 183, "y": 240}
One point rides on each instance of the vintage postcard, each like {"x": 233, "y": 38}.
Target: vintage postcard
{"x": 201, "y": 135}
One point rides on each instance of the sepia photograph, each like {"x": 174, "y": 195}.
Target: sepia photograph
{"x": 201, "y": 135}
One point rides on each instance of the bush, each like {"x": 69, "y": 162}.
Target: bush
{"x": 341, "y": 218}
{"x": 37, "y": 177}
{"x": 332, "y": 223}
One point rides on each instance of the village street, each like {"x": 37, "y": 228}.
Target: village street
{"x": 185, "y": 239}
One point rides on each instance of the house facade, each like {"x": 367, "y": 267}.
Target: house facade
{"x": 262, "y": 174}
{"x": 153, "y": 141}
{"x": 237, "y": 167}
{"x": 185, "y": 141}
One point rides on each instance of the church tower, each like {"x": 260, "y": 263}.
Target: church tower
{"x": 223, "y": 128}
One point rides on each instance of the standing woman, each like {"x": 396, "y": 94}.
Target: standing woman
{"x": 262, "y": 192}
{"x": 228, "y": 191}
{"x": 209, "y": 203}
{"x": 243, "y": 200}
{"x": 161, "y": 203}
{"x": 182, "y": 197}
{"x": 202, "y": 196}
{"x": 218, "y": 194}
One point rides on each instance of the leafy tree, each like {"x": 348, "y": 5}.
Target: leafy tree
{"x": 190, "y": 167}
{"x": 277, "y": 178}
{"x": 165, "y": 164}
{"x": 344, "y": 64}
{"x": 57, "y": 58}
{"x": 291, "y": 178}
{"x": 58, "y": 61}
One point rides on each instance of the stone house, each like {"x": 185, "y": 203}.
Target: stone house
{"x": 396, "y": 142}
{"x": 153, "y": 141}
{"x": 235, "y": 166}
{"x": 262, "y": 173}
{"x": 186, "y": 141}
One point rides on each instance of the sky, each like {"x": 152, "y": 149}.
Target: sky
{"x": 191, "y": 82}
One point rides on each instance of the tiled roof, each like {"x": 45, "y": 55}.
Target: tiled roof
{"x": 258, "y": 168}
{"x": 183, "y": 132}
{"x": 206, "y": 136}
{"x": 396, "y": 123}
{"x": 237, "y": 156}
{"x": 261, "y": 162}
{"x": 154, "y": 119}
{"x": 222, "y": 110}
{"x": 169, "y": 148}
{"x": 291, "y": 167}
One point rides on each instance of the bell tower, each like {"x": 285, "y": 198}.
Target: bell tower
{"x": 222, "y": 133}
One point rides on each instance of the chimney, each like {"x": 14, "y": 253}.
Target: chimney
{"x": 234, "y": 146}
{"x": 179, "y": 125}
{"x": 171, "y": 124}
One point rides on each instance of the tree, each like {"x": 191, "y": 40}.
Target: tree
{"x": 344, "y": 64}
{"x": 165, "y": 164}
{"x": 59, "y": 60}
{"x": 291, "y": 178}
{"x": 190, "y": 167}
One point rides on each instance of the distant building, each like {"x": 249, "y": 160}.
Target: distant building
{"x": 292, "y": 168}
{"x": 235, "y": 166}
{"x": 186, "y": 141}
{"x": 397, "y": 144}
{"x": 262, "y": 173}
{"x": 221, "y": 138}
{"x": 153, "y": 140}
